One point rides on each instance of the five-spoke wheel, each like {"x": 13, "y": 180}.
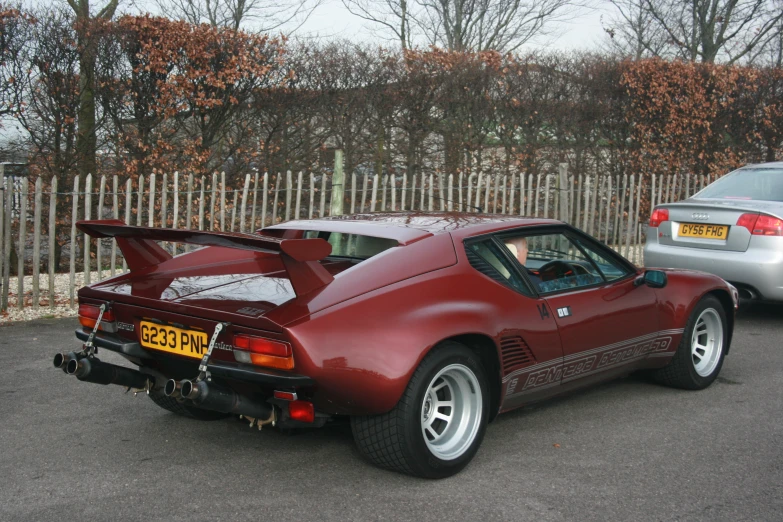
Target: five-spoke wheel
{"x": 438, "y": 424}
{"x": 699, "y": 356}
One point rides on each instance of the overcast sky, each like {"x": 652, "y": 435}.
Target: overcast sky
{"x": 332, "y": 19}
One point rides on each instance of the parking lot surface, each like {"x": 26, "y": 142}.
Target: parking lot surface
{"x": 626, "y": 450}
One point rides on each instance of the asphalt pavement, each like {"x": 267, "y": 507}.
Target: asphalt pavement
{"x": 626, "y": 450}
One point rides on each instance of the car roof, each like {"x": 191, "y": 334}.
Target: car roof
{"x": 408, "y": 227}
{"x": 770, "y": 165}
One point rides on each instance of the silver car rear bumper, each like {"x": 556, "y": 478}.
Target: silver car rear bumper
{"x": 760, "y": 267}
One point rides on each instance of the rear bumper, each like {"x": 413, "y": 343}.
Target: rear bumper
{"x": 224, "y": 370}
{"x": 758, "y": 268}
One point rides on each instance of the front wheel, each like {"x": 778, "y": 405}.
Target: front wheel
{"x": 438, "y": 424}
{"x": 699, "y": 357}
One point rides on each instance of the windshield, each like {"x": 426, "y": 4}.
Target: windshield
{"x": 748, "y": 184}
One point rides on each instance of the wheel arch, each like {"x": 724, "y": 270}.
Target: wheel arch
{"x": 487, "y": 351}
{"x": 728, "y": 307}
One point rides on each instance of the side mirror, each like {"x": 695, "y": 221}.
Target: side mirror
{"x": 652, "y": 278}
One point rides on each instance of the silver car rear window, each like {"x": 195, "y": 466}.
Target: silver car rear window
{"x": 749, "y": 184}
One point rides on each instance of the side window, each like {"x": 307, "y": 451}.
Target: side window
{"x": 486, "y": 257}
{"x": 609, "y": 268}
{"x": 552, "y": 261}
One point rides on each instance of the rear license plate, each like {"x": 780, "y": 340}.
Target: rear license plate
{"x": 190, "y": 343}
{"x": 704, "y": 231}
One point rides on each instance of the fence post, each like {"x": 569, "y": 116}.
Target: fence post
{"x": 546, "y": 196}
{"x": 264, "y": 199}
{"x": 495, "y": 194}
{"x": 201, "y": 204}
{"x": 384, "y": 183}
{"x": 99, "y": 241}
{"x": 562, "y": 173}
{"x": 52, "y": 226}
{"x": 175, "y": 209}
{"x": 22, "y": 241}
{"x": 486, "y": 193}
{"x": 503, "y": 190}
{"x": 128, "y": 199}
{"x": 413, "y": 191}
{"x": 164, "y": 202}
{"x": 7, "y": 244}
{"x": 512, "y": 189}
{"x": 353, "y": 193}
{"x": 223, "y": 201}
{"x": 608, "y": 207}
{"x": 116, "y": 214}
{"x": 338, "y": 186}
{"x": 374, "y": 192}
{"x": 288, "y": 188}
{"x": 233, "y": 211}
{"x": 3, "y": 288}
{"x": 189, "y": 211}
{"x": 151, "y": 213}
{"x": 255, "y": 200}
{"x": 212, "y": 196}
{"x": 461, "y": 208}
{"x": 450, "y": 196}
{"x": 322, "y": 204}
{"x": 243, "y": 209}
{"x": 74, "y": 216}
{"x": 312, "y": 196}
{"x": 37, "y": 243}
{"x": 87, "y": 215}
{"x": 403, "y": 189}
{"x": 600, "y": 210}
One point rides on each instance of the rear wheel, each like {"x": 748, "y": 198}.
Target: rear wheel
{"x": 438, "y": 424}
{"x": 180, "y": 408}
{"x": 699, "y": 357}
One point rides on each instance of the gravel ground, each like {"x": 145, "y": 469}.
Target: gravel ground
{"x": 62, "y": 293}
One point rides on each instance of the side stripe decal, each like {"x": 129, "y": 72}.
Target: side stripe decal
{"x": 536, "y": 377}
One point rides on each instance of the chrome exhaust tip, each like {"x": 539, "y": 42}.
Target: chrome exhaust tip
{"x": 173, "y": 388}
{"x": 74, "y": 365}
{"x": 190, "y": 390}
{"x": 60, "y": 360}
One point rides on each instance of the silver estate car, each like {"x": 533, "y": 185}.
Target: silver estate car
{"x": 733, "y": 228}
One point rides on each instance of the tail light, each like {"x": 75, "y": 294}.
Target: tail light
{"x": 263, "y": 352}
{"x": 88, "y": 316}
{"x": 761, "y": 224}
{"x": 659, "y": 215}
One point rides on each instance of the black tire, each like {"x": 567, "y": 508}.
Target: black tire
{"x": 682, "y": 372}
{"x": 180, "y": 408}
{"x": 395, "y": 440}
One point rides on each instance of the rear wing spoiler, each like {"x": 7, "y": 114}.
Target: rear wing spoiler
{"x": 299, "y": 256}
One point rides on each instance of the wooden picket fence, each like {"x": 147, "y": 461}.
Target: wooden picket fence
{"x": 606, "y": 207}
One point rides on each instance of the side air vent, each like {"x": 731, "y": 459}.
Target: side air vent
{"x": 516, "y": 354}
{"x": 485, "y": 268}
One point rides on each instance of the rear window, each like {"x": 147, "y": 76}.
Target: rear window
{"x": 748, "y": 184}
{"x": 353, "y": 245}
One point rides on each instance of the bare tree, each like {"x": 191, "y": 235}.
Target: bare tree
{"x": 632, "y": 31}
{"x": 264, "y": 16}
{"x": 464, "y": 25}
{"x": 700, "y": 30}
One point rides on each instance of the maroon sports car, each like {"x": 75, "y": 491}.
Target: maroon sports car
{"x": 419, "y": 328}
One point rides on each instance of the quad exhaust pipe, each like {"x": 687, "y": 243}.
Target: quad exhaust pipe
{"x": 61, "y": 360}
{"x": 91, "y": 369}
{"x": 217, "y": 398}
